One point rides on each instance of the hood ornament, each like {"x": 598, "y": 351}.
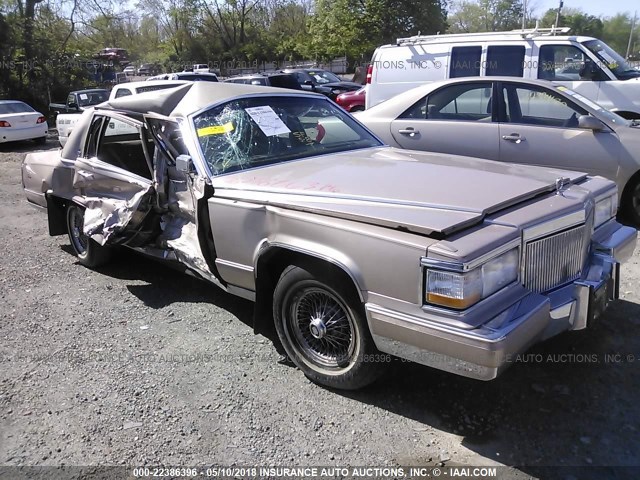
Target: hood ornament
{"x": 561, "y": 184}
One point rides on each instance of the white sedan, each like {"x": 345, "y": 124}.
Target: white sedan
{"x": 18, "y": 121}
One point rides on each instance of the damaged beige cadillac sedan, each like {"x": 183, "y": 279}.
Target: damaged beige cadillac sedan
{"x": 349, "y": 247}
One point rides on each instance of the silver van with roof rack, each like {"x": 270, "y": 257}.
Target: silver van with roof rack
{"x": 587, "y": 65}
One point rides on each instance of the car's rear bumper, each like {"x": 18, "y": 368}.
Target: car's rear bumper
{"x": 16, "y": 134}
{"x": 482, "y": 353}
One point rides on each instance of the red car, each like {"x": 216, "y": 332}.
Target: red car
{"x": 352, "y": 101}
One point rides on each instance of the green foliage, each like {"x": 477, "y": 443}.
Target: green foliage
{"x": 579, "y": 22}
{"x": 485, "y": 16}
{"x": 616, "y": 33}
{"x": 354, "y": 28}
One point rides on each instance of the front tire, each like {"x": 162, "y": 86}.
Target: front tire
{"x": 89, "y": 252}
{"x": 630, "y": 203}
{"x": 323, "y": 330}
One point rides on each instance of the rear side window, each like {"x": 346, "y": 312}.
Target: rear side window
{"x": 465, "y": 62}
{"x": 506, "y": 60}
{"x": 123, "y": 92}
{"x": 284, "y": 81}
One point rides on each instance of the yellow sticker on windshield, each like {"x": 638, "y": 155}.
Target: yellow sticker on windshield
{"x": 215, "y": 129}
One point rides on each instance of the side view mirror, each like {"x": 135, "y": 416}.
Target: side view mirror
{"x": 308, "y": 82}
{"x": 590, "y": 123}
{"x": 184, "y": 164}
{"x": 73, "y": 106}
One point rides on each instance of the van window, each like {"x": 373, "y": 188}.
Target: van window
{"x": 566, "y": 63}
{"x": 507, "y": 60}
{"x": 465, "y": 62}
{"x": 608, "y": 56}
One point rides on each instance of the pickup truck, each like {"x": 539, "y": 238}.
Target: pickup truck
{"x": 68, "y": 113}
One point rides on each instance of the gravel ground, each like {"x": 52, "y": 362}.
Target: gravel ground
{"x": 135, "y": 364}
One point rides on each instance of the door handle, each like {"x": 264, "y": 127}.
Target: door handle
{"x": 514, "y": 137}
{"x": 408, "y": 131}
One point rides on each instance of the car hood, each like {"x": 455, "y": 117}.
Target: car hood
{"x": 421, "y": 192}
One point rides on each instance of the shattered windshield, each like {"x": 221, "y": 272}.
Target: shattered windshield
{"x": 251, "y": 132}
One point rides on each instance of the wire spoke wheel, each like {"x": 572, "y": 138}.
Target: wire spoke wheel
{"x": 321, "y": 328}
{"x": 78, "y": 238}
{"x": 322, "y": 325}
{"x": 89, "y": 252}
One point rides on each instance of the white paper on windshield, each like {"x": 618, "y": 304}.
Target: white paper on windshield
{"x": 268, "y": 120}
{"x": 83, "y": 96}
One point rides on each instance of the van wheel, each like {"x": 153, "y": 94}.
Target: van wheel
{"x": 89, "y": 252}
{"x": 323, "y": 330}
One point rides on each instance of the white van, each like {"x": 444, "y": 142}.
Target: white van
{"x": 584, "y": 64}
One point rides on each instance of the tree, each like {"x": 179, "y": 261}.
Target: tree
{"x": 616, "y": 32}
{"x": 485, "y": 16}
{"x": 579, "y": 22}
{"x": 356, "y": 27}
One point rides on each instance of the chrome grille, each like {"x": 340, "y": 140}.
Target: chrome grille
{"x": 554, "y": 260}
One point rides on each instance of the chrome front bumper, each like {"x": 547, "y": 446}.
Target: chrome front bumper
{"x": 482, "y": 353}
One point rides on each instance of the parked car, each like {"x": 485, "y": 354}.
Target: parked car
{"x": 200, "y": 68}
{"x": 148, "y": 69}
{"x": 129, "y": 70}
{"x": 349, "y": 247}
{"x": 19, "y": 121}
{"x": 133, "y": 88}
{"x": 67, "y": 114}
{"x": 190, "y": 76}
{"x": 352, "y": 101}
{"x": 513, "y": 120}
{"x": 268, "y": 79}
{"x": 118, "y": 55}
{"x": 586, "y": 65}
{"x": 322, "y": 81}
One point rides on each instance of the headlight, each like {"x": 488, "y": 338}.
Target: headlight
{"x": 606, "y": 208}
{"x": 461, "y": 290}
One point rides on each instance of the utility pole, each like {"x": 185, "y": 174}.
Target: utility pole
{"x": 633, "y": 25}
{"x": 524, "y": 14}
{"x": 558, "y": 14}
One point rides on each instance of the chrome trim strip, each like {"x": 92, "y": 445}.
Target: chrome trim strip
{"x": 465, "y": 267}
{"x": 552, "y": 226}
{"x": 265, "y": 246}
{"x": 237, "y": 266}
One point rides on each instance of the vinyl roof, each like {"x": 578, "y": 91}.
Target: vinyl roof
{"x": 191, "y": 97}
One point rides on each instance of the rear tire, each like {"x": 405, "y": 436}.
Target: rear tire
{"x": 323, "y": 329}
{"x": 89, "y": 252}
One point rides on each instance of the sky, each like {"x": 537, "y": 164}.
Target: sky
{"x": 599, "y": 8}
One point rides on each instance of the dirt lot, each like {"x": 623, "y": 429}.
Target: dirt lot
{"x": 136, "y": 364}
